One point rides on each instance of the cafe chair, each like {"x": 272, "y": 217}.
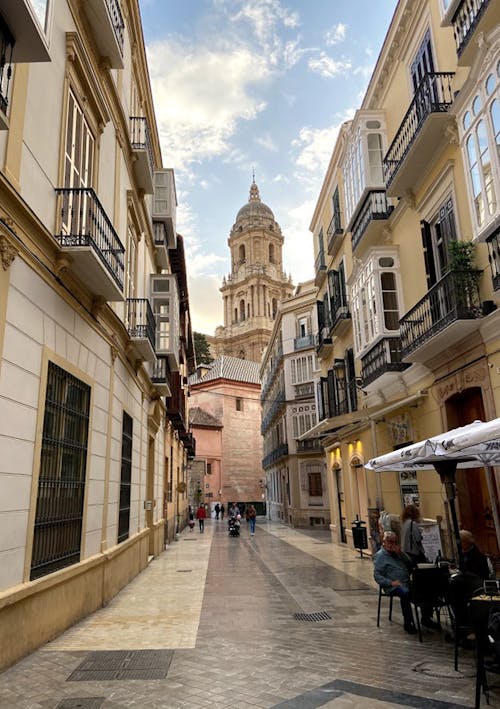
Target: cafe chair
{"x": 481, "y": 608}
{"x": 462, "y": 588}
{"x": 429, "y": 588}
{"x": 384, "y": 594}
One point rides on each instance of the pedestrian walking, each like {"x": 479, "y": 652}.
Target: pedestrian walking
{"x": 222, "y": 511}
{"x": 217, "y": 510}
{"x": 201, "y": 515}
{"x": 252, "y": 516}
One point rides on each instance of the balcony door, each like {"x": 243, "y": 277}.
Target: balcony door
{"x": 436, "y": 238}
{"x": 422, "y": 65}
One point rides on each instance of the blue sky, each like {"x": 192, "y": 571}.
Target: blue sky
{"x": 253, "y": 84}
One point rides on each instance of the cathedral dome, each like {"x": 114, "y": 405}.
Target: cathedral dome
{"x": 254, "y": 207}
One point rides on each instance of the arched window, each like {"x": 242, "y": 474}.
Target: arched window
{"x": 275, "y": 307}
{"x": 236, "y": 315}
{"x": 242, "y": 254}
{"x": 242, "y": 309}
{"x": 271, "y": 253}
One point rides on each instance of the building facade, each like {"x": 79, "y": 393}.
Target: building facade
{"x": 405, "y": 237}
{"x": 228, "y": 390}
{"x": 95, "y": 335}
{"x": 295, "y": 470}
{"x": 256, "y": 284}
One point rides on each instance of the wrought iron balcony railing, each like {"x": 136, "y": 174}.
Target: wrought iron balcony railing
{"x": 117, "y": 22}
{"x": 374, "y": 207}
{"x": 140, "y": 138}
{"x": 310, "y": 445}
{"x": 319, "y": 263}
{"x": 304, "y": 390}
{"x": 465, "y": 21}
{"x": 300, "y": 343}
{"x": 455, "y": 297}
{"x": 383, "y": 357}
{"x": 140, "y": 320}
{"x": 433, "y": 95}
{"x": 84, "y": 223}
{"x": 334, "y": 231}
{"x": 279, "y": 452}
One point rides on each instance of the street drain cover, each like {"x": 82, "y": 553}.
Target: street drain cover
{"x": 184, "y": 571}
{"x": 123, "y": 664}
{"x": 435, "y": 669}
{"x": 312, "y": 617}
{"x": 81, "y": 703}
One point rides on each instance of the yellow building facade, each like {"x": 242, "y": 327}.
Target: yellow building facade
{"x": 406, "y": 231}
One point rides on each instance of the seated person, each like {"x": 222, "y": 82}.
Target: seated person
{"x": 475, "y": 561}
{"x": 392, "y": 571}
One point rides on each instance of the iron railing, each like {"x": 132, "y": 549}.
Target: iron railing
{"x": 383, "y": 357}
{"x": 455, "y": 297}
{"x": 300, "y": 343}
{"x": 83, "y": 222}
{"x": 161, "y": 371}
{"x": 279, "y": 452}
{"x": 374, "y": 207}
{"x": 140, "y": 138}
{"x": 319, "y": 263}
{"x": 433, "y": 95}
{"x": 304, "y": 390}
{"x": 140, "y": 320}
{"x": 310, "y": 445}
{"x": 465, "y": 20}
{"x": 7, "y": 42}
{"x": 117, "y": 22}
{"x": 176, "y": 403}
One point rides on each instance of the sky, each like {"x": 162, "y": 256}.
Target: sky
{"x": 243, "y": 85}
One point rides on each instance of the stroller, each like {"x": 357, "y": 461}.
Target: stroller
{"x": 233, "y": 526}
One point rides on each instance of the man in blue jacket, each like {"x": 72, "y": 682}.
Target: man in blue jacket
{"x": 392, "y": 571}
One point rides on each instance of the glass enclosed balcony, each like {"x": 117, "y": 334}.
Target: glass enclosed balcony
{"x": 140, "y": 141}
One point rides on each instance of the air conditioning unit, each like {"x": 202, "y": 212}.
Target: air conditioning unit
{"x": 165, "y": 203}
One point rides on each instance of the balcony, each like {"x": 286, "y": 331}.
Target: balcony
{"x": 420, "y": 135}
{"x": 304, "y": 391}
{"x": 280, "y": 452}
{"x": 161, "y": 244}
{"x": 166, "y": 308}
{"x": 310, "y": 445}
{"x": 340, "y": 315}
{"x": 335, "y": 234}
{"x": 272, "y": 411}
{"x": 140, "y": 141}
{"x": 325, "y": 341}
{"x": 382, "y": 363}
{"x": 160, "y": 376}
{"x": 320, "y": 269}
{"x": 176, "y": 403}
{"x": 21, "y": 26}
{"x": 189, "y": 444}
{"x": 165, "y": 204}
{"x": 106, "y": 22}
{"x": 469, "y": 18}
{"x": 371, "y": 219}
{"x": 140, "y": 323}
{"x": 88, "y": 237}
{"x": 443, "y": 317}
{"x": 303, "y": 342}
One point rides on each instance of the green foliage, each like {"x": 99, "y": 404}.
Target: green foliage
{"x": 201, "y": 348}
{"x": 462, "y": 255}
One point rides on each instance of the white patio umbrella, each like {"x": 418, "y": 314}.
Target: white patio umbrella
{"x": 472, "y": 446}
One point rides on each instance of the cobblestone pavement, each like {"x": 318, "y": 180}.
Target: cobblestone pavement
{"x": 212, "y": 623}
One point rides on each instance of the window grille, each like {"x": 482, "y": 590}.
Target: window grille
{"x": 61, "y": 484}
{"x": 125, "y": 478}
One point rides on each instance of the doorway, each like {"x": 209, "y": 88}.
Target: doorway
{"x": 340, "y": 504}
{"x": 474, "y": 501}
{"x": 150, "y": 495}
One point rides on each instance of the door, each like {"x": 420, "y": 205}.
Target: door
{"x": 150, "y": 494}
{"x": 423, "y": 86}
{"x": 341, "y": 505}
{"x": 474, "y": 501}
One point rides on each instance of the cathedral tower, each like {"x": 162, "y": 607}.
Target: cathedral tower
{"x": 256, "y": 284}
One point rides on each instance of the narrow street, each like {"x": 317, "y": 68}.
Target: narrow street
{"x": 211, "y": 623}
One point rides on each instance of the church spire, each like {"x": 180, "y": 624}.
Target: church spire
{"x": 254, "y": 190}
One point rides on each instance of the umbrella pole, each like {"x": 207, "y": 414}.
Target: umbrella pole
{"x": 493, "y": 499}
{"x": 446, "y": 471}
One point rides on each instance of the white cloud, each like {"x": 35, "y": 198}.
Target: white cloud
{"x": 267, "y": 142}
{"x": 328, "y": 67}
{"x": 206, "y": 302}
{"x": 315, "y": 148}
{"x": 298, "y": 253}
{"x": 336, "y": 34}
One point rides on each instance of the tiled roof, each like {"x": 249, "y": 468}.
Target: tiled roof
{"x": 232, "y": 368}
{"x": 199, "y": 417}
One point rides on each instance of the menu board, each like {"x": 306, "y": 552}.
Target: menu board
{"x": 409, "y": 487}
{"x": 431, "y": 539}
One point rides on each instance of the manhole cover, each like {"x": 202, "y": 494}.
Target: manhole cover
{"x": 436, "y": 669}
{"x": 81, "y": 703}
{"x": 312, "y": 617}
{"x": 123, "y": 664}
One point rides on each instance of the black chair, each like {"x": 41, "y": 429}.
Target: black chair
{"x": 384, "y": 594}
{"x": 462, "y": 587}
{"x": 480, "y": 610}
{"x": 429, "y": 589}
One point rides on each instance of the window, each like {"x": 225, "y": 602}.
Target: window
{"x": 131, "y": 269}
{"x": 125, "y": 478}
{"x": 436, "y": 237}
{"x": 363, "y": 167}
{"x": 242, "y": 254}
{"x": 302, "y": 422}
{"x": 375, "y": 298}
{"x": 271, "y": 253}
{"x": 61, "y": 484}
{"x": 315, "y": 487}
{"x": 239, "y": 404}
{"x": 209, "y": 468}
{"x": 302, "y": 368}
{"x": 480, "y": 129}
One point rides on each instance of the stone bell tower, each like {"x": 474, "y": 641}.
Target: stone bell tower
{"x": 256, "y": 284}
